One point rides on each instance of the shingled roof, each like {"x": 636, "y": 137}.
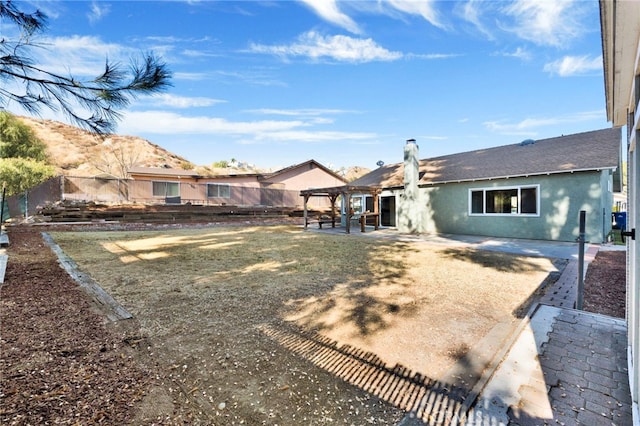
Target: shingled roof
{"x": 595, "y": 150}
{"x": 180, "y": 173}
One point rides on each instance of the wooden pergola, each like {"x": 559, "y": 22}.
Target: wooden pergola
{"x": 346, "y": 191}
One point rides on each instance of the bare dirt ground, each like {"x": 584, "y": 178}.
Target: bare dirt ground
{"x": 209, "y": 354}
{"x": 605, "y": 284}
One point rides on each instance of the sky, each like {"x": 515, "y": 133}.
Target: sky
{"x": 345, "y": 83}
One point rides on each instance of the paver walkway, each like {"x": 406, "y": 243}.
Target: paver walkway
{"x": 563, "y": 293}
{"x": 585, "y": 369}
{"x": 566, "y": 367}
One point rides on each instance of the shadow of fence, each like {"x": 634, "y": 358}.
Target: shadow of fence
{"x": 431, "y": 401}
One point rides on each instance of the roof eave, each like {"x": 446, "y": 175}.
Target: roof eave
{"x": 165, "y": 176}
{"x": 337, "y": 190}
{"x": 594, "y": 169}
{"x": 620, "y": 27}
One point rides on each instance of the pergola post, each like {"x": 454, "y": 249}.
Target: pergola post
{"x": 306, "y": 199}
{"x": 376, "y": 210}
{"x": 347, "y": 203}
{"x": 333, "y": 198}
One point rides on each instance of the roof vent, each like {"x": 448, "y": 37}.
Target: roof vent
{"x": 527, "y": 142}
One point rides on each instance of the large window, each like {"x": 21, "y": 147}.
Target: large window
{"x": 216, "y": 190}
{"x": 166, "y": 189}
{"x": 520, "y": 200}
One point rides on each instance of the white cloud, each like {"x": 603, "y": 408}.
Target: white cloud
{"x": 167, "y": 123}
{"x": 309, "y": 136}
{"x": 200, "y": 54}
{"x": 183, "y": 101}
{"x": 340, "y": 48}
{"x": 529, "y": 126}
{"x": 305, "y": 112}
{"x": 471, "y": 11}
{"x": 329, "y": 11}
{"x": 98, "y": 11}
{"x": 553, "y": 23}
{"x": 520, "y": 53}
{"x": 524, "y": 127}
{"x": 80, "y": 55}
{"x": 424, "y": 9}
{"x": 163, "y": 122}
{"x": 432, "y": 55}
{"x": 574, "y": 65}
{"x": 176, "y": 40}
{"x": 256, "y": 77}
{"x": 191, "y": 76}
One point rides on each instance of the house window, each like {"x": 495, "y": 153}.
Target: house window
{"x": 166, "y": 189}
{"x": 216, "y": 190}
{"x": 520, "y": 200}
{"x": 356, "y": 205}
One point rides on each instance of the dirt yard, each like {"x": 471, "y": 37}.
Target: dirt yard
{"x": 262, "y": 325}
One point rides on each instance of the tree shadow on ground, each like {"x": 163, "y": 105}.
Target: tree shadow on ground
{"x": 428, "y": 401}
{"x": 356, "y": 281}
{"x": 509, "y": 262}
{"x": 501, "y": 262}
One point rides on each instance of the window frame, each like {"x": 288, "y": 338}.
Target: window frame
{"x": 218, "y": 186}
{"x": 357, "y": 204}
{"x": 517, "y": 188}
{"x": 166, "y": 187}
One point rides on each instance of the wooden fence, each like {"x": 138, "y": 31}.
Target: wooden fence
{"x": 127, "y": 191}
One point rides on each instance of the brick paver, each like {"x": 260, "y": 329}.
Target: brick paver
{"x": 588, "y": 382}
{"x": 584, "y": 363}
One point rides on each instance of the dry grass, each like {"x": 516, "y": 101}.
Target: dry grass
{"x": 363, "y": 292}
{"x": 408, "y": 303}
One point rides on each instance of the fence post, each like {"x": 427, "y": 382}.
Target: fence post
{"x": 4, "y": 197}
{"x": 62, "y": 188}
{"x": 26, "y": 205}
{"x": 581, "y": 242}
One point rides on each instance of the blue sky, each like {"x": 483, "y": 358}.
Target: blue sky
{"x": 275, "y": 83}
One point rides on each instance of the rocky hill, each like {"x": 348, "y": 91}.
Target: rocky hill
{"x": 76, "y": 152}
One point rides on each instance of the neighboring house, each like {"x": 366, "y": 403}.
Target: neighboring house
{"x": 280, "y": 188}
{"x": 620, "y": 23}
{"x": 533, "y": 189}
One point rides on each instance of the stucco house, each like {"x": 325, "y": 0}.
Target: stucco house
{"x": 620, "y": 24}
{"x": 533, "y": 189}
{"x": 279, "y": 188}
